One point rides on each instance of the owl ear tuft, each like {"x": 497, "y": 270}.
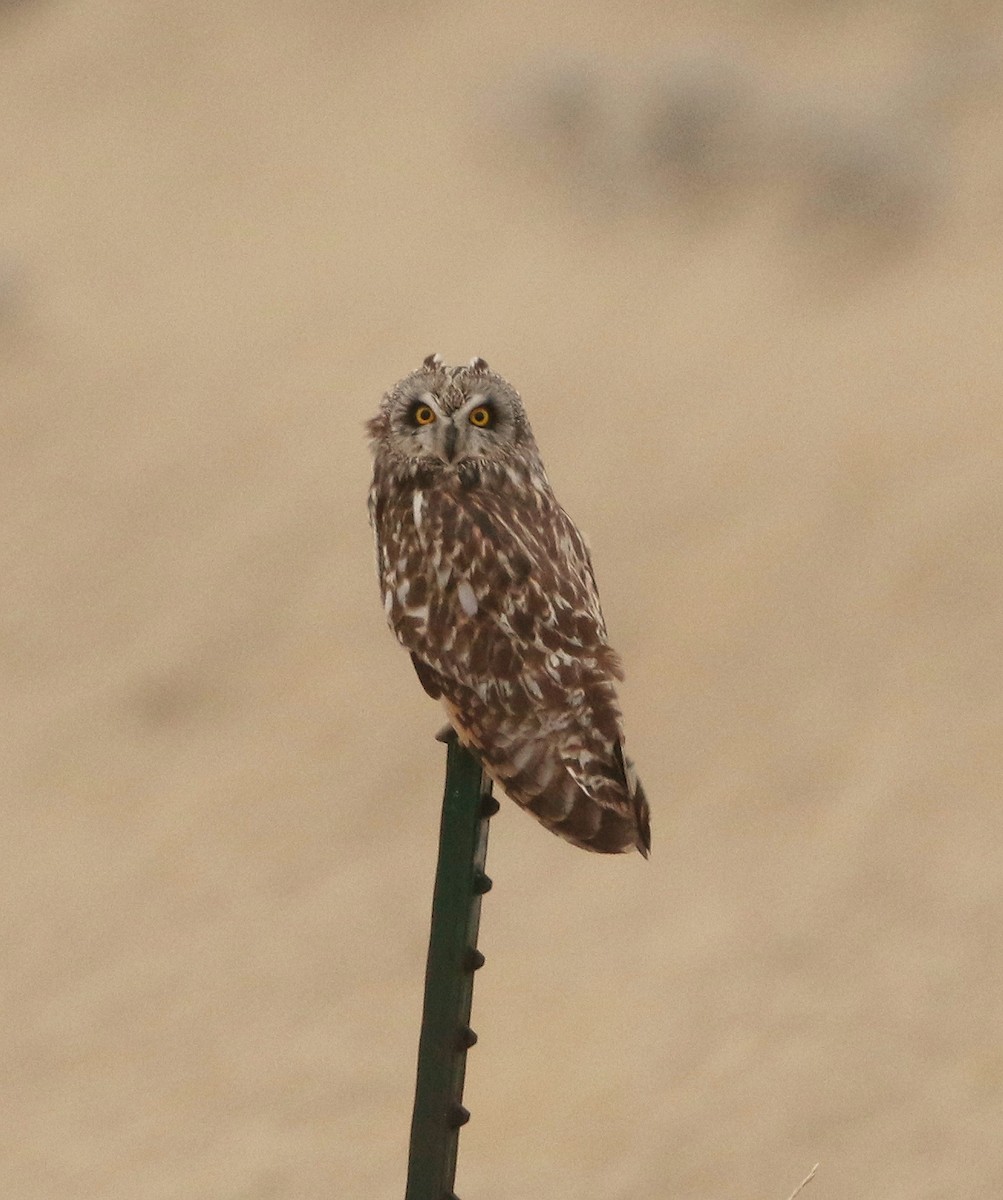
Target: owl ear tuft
{"x": 433, "y": 362}
{"x": 478, "y": 366}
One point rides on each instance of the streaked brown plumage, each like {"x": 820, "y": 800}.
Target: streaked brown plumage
{"x": 489, "y": 585}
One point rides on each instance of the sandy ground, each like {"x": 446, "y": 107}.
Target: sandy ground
{"x": 762, "y": 360}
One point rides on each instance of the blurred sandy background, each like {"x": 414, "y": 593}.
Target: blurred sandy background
{"x": 743, "y": 260}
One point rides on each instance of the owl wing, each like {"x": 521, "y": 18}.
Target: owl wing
{"x": 493, "y": 592}
{"x": 494, "y": 595}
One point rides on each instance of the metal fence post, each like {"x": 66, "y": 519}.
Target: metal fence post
{"x": 453, "y": 958}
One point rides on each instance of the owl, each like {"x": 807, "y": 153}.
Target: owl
{"x": 489, "y": 585}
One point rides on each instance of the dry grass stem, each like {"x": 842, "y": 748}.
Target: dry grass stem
{"x": 804, "y": 1182}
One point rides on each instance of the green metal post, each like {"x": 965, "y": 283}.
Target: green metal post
{"x": 453, "y": 958}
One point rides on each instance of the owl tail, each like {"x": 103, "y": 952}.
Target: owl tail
{"x": 607, "y": 812}
{"x": 611, "y": 825}
{"x": 639, "y": 801}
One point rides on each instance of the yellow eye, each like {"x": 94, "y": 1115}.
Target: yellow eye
{"x": 481, "y": 416}
{"x": 423, "y": 415}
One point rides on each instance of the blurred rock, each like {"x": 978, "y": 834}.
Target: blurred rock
{"x": 551, "y": 114}
{"x": 871, "y": 175}
{"x": 697, "y": 125}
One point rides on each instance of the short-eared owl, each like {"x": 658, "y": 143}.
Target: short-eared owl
{"x": 489, "y": 585}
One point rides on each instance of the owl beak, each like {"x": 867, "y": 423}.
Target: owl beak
{"x": 449, "y": 436}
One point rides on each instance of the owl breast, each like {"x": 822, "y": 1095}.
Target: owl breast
{"x": 480, "y": 577}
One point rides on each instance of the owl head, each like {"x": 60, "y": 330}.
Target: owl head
{"x": 442, "y": 418}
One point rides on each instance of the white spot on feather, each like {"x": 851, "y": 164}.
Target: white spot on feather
{"x": 416, "y": 505}
{"x": 388, "y": 602}
{"x": 468, "y": 601}
{"x": 403, "y": 589}
{"x": 545, "y": 771}
{"x": 523, "y": 755}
